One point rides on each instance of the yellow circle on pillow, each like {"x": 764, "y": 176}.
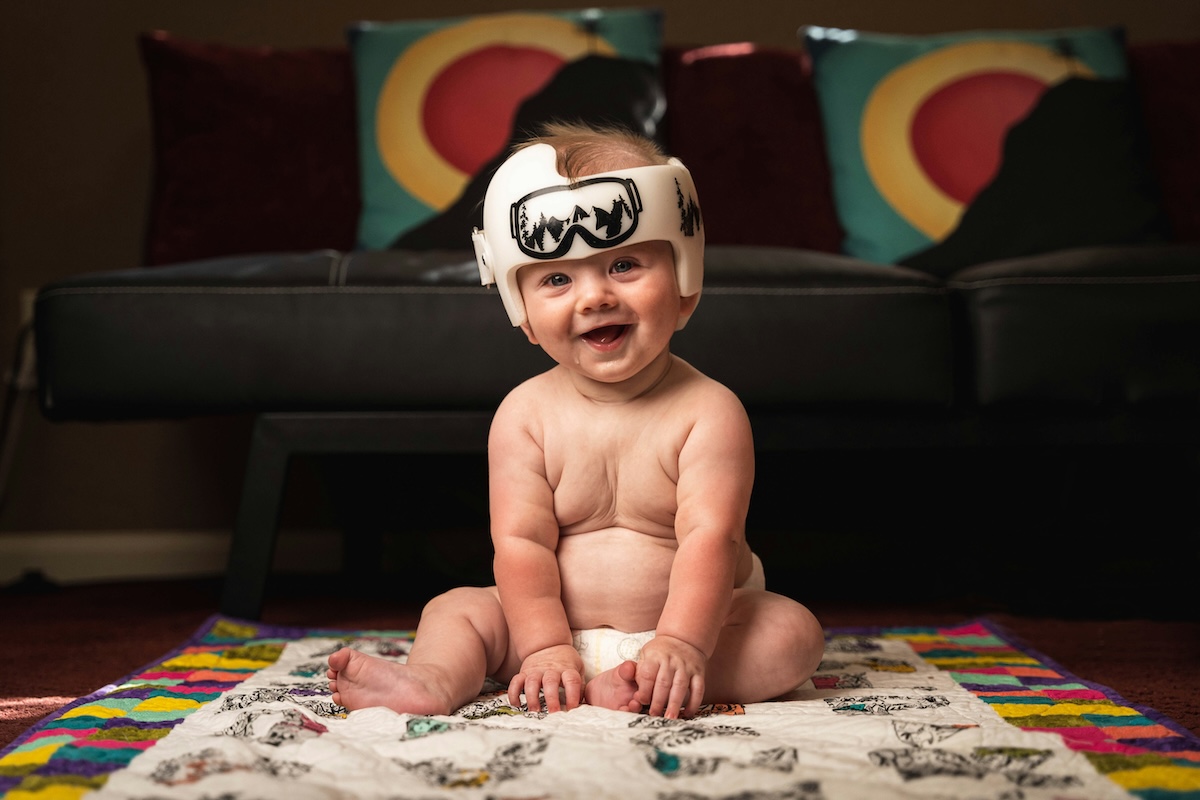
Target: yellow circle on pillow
{"x": 406, "y": 151}
{"x": 888, "y": 115}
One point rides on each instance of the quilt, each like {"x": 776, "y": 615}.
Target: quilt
{"x": 242, "y": 710}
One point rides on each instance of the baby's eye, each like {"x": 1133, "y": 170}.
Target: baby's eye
{"x": 556, "y": 279}
{"x": 622, "y": 266}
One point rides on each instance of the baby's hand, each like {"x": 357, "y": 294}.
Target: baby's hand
{"x": 546, "y": 671}
{"x": 670, "y": 677}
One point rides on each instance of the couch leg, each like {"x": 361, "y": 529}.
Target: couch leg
{"x": 277, "y": 436}
{"x": 257, "y": 524}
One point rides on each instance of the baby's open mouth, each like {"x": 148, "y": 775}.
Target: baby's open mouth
{"x": 606, "y": 334}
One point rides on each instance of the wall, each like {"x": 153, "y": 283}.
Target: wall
{"x": 74, "y": 161}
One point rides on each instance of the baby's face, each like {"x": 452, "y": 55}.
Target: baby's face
{"x": 607, "y": 316}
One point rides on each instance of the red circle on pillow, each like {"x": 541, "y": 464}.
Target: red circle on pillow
{"x": 958, "y": 132}
{"x": 470, "y": 105}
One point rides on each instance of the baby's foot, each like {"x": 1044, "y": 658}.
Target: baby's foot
{"x": 614, "y": 688}
{"x": 358, "y": 680}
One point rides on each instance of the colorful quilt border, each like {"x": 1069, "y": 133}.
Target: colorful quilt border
{"x": 1138, "y": 748}
{"x": 75, "y": 749}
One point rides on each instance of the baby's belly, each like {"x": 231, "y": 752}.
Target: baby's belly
{"x": 614, "y": 578}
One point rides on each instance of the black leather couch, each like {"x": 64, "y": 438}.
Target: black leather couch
{"x": 405, "y": 352}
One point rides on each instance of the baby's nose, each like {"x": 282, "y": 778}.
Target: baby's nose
{"x": 594, "y": 293}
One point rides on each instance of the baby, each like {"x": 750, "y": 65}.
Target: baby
{"x": 619, "y": 480}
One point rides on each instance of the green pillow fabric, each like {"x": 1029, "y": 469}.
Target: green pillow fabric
{"x": 440, "y": 100}
{"x": 920, "y": 129}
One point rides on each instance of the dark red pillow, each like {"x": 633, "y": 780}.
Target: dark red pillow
{"x": 1167, "y": 76}
{"x": 255, "y": 149}
{"x": 744, "y": 119}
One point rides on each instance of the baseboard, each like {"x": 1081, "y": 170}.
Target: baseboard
{"x": 67, "y": 557}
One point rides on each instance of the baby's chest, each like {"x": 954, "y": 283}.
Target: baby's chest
{"x": 619, "y": 487}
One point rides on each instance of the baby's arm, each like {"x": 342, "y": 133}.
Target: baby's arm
{"x": 716, "y": 474}
{"x": 525, "y": 537}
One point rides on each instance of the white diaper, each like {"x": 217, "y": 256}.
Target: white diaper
{"x": 605, "y": 648}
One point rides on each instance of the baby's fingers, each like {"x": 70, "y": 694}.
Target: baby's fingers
{"x": 571, "y": 685}
{"x": 550, "y": 683}
{"x": 675, "y": 695}
{"x": 646, "y": 677}
{"x": 514, "y": 689}
{"x": 695, "y": 697}
{"x": 530, "y": 685}
{"x": 533, "y": 691}
{"x": 660, "y": 690}
{"x": 549, "y": 688}
{"x": 669, "y": 693}
{"x": 573, "y": 688}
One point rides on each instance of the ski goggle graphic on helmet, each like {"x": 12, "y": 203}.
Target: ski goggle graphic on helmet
{"x": 601, "y": 211}
{"x": 532, "y": 214}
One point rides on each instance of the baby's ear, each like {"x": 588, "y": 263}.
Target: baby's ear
{"x": 529, "y": 332}
{"x": 686, "y": 306}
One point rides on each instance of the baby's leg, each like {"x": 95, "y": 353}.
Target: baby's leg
{"x": 614, "y": 688}
{"x": 770, "y": 645}
{"x": 461, "y": 639}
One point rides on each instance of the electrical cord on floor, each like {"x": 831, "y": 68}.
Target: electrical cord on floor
{"x": 20, "y": 381}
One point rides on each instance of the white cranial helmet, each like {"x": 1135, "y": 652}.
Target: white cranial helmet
{"x": 533, "y": 214}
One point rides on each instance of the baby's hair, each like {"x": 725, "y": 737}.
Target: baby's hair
{"x": 589, "y": 149}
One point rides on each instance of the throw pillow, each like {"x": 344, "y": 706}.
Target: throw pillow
{"x": 1167, "y": 75}
{"x": 254, "y": 149}
{"x": 778, "y": 157}
{"x": 952, "y": 149}
{"x": 440, "y": 101}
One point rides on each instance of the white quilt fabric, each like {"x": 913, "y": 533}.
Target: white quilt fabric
{"x": 885, "y": 725}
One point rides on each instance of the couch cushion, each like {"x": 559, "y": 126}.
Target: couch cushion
{"x": 316, "y": 331}
{"x": 404, "y": 330}
{"x": 1091, "y": 329}
{"x": 790, "y": 328}
{"x": 953, "y": 149}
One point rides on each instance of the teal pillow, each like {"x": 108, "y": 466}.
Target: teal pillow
{"x": 440, "y": 100}
{"x": 918, "y": 128}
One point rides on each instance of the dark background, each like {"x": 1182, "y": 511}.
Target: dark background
{"x": 74, "y": 183}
